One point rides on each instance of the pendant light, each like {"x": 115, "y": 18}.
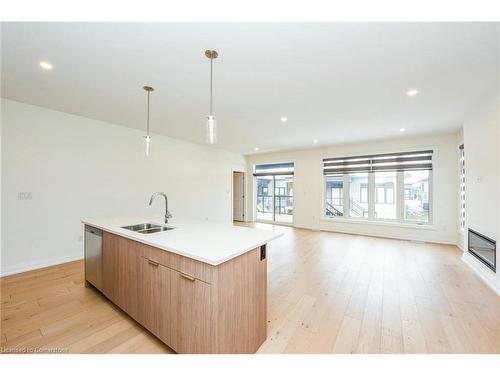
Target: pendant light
{"x": 211, "y": 124}
{"x": 147, "y": 138}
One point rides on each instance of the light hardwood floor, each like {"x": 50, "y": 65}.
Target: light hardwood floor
{"x": 328, "y": 293}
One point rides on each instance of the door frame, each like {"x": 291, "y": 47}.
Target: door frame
{"x": 242, "y": 171}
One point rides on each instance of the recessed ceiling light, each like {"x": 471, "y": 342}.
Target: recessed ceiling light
{"x": 315, "y": 141}
{"x": 256, "y": 149}
{"x": 412, "y": 92}
{"x": 402, "y": 130}
{"x": 284, "y": 119}
{"x": 45, "y": 65}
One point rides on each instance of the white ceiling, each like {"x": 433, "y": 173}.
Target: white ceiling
{"x": 337, "y": 82}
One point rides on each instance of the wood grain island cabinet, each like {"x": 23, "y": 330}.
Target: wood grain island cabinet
{"x": 193, "y": 307}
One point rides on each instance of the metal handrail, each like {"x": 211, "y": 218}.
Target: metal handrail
{"x": 357, "y": 208}
{"x": 330, "y": 209}
{"x": 280, "y": 209}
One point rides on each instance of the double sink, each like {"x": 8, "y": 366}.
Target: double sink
{"x": 147, "y": 228}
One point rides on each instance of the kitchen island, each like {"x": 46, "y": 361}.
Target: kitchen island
{"x": 200, "y": 287}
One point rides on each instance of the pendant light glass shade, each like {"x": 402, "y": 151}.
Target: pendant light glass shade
{"x": 147, "y": 139}
{"x": 211, "y": 128}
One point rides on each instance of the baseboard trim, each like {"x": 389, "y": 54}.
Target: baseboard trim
{"x": 19, "y": 268}
{"x": 402, "y": 238}
{"x": 470, "y": 261}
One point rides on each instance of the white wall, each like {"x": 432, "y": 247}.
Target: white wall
{"x": 76, "y": 167}
{"x": 308, "y": 185}
{"x": 482, "y": 172}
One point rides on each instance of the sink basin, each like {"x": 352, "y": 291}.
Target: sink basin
{"x": 139, "y": 227}
{"x": 154, "y": 230}
{"x": 147, "y": 228}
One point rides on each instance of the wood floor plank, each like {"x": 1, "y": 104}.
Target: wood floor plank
{"x": 280, "y": 337}
{"x": 435, "y": 336}
{"x": 370, "y": 335}
{"x": 323, "y": 341}
{"x": 391, "y": 335}
{"x": 347, "y": 338}
{"x": 412, "y": 332}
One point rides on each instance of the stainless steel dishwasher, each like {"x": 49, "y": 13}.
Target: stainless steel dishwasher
{"x": 93, "y": 256}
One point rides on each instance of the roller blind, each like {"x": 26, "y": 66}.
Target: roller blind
{"x": 274, "y": 169}
{"x": 401, "y": 161}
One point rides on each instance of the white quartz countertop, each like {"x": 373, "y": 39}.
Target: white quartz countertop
{"x": 209, "y": 242}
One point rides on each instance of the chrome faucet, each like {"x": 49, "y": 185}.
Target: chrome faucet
{"x": 167, "y": 214}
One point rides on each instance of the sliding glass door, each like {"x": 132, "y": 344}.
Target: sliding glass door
{"x": 274, "y": 192}
{"x": 274, "y": 198}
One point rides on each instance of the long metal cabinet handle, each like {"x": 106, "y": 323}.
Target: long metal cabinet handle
{"x": 190, "y": 278}
{"x": 153, "y": 263}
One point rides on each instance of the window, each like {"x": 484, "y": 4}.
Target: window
{"x": 385, "y": 204}
{"x": 387, "y": 187}
{"x": 357, "y": 208}
{"x": 364, "y": 193}
{"x": 417, "y": 204}
{"x": 462, "y": 186}
{"x": 407, "y": 192}
{"x": 334, "y": 199}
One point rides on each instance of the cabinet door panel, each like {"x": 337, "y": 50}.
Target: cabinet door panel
{"x": 176, "y": 309}
{"x": 156, "y": 300}
{"x": 120, "y": 272}
{"x": 127, "y": 295}
{"x": 109, "y": 265}
{"x": 192, "y": 323}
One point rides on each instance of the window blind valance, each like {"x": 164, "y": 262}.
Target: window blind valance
{"x": 274, "y": 169}
{"x": 401, "y": 161}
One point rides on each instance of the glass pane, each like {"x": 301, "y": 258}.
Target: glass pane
{"x": 389, "y": 195}
{"x": 357, "y": 208}
{"x": 380, "y": 195}
{"x": 265, "y": 198}
{"x": 385, "y": 205}
{"x": 334, "y": 196}
{"x": 283, "y": 199}
{"x": 272, "y": 168}
{"x": 364, "y": 194}
{"x": 417, "y": 198}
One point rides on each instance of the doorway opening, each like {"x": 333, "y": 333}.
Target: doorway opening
{"x": 238, "y": 196}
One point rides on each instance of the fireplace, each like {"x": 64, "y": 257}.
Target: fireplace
{"x": 483, "y": 248}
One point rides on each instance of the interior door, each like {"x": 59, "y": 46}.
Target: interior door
{"x": 238, "y": 196}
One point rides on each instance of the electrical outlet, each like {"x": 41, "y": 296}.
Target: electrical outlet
{"x": 24, "y": 196}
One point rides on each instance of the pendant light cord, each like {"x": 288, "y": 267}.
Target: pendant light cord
{"x": 211, "y": 84}
{"x": 147, "y": 121}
